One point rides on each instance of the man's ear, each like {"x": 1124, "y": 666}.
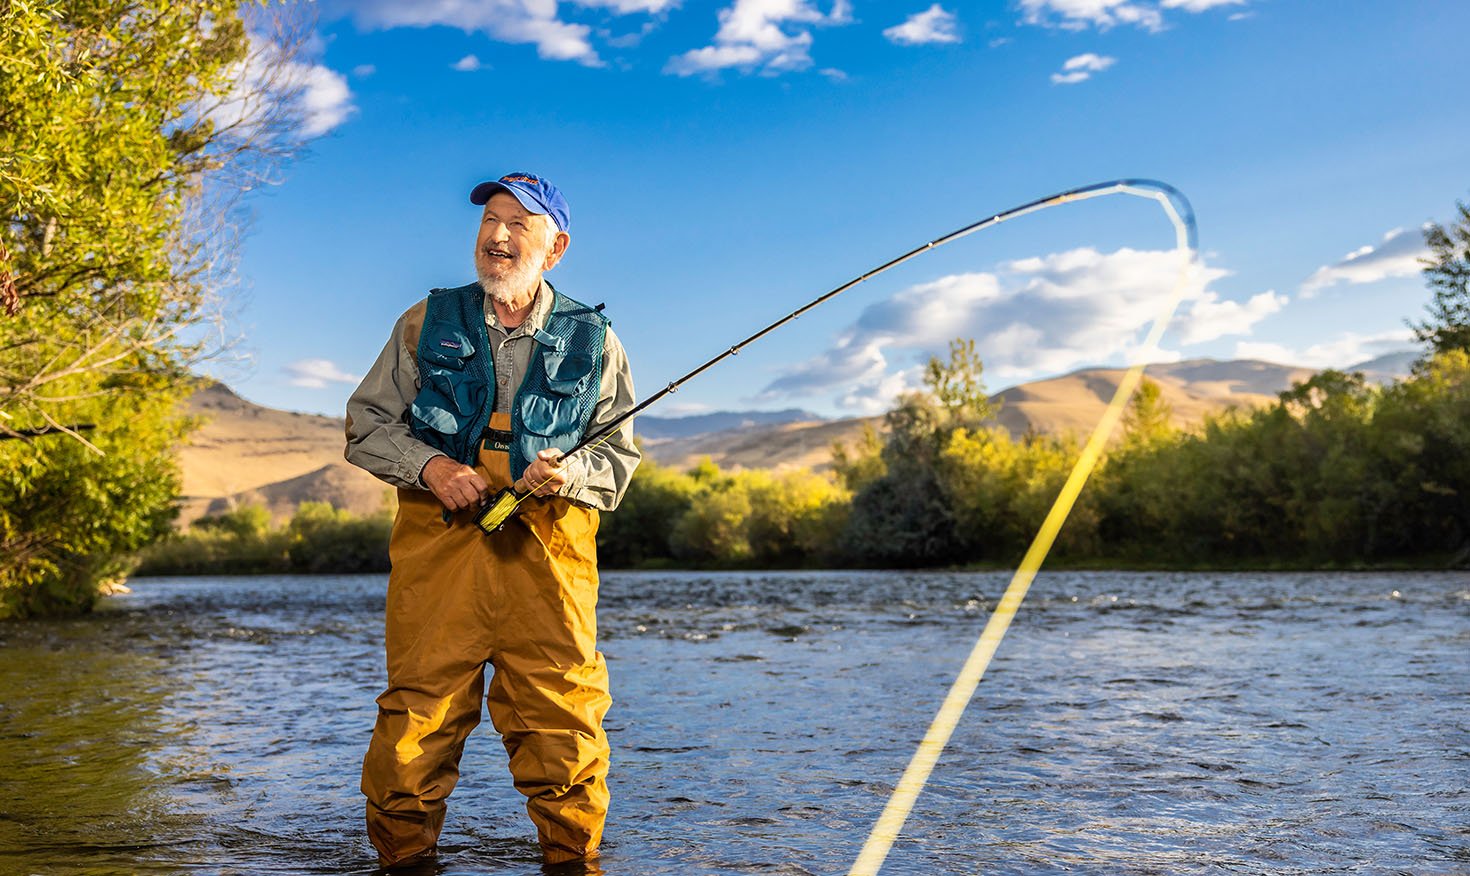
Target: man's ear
{"x": 559, "y": 246}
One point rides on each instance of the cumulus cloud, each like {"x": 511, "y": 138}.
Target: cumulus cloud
{"x": 628, "y": 7}
{"x": 1210, "y": 318}
{"x": 1199, "y": 5}
{"x": 933, "y": 25}
{"x": 317, "y": 373}
{"x": 1080, "y": 68}
{"x": 317, "y": 95}
{"x": 1103, "y": 14}
{"x": 467, "y": 64}
{"x": 1031, "y": 317}
{"x": 508, "y": 21}
{"x": 1346, "y": 350}
{"x": 1397, "y": 255}
{"x": 325, "y": 100}
{"x": 772, "y": 36}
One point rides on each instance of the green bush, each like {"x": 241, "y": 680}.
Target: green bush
{"x": 317, "y": 539}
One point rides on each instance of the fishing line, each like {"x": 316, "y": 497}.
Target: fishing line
{"x": 499, "y": 509}
{"x": 886, "y": 830}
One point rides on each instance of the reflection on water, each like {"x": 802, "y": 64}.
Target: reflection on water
{"x": 1131, "y": 723}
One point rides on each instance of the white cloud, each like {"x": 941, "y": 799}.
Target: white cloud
{"x": 684, "y": 409}
{"x": 1031, "y": 317}
{"x": 1346, "y": 350}
{"x": 317, "y": 373}
{"x": 773, "y": 36}
{"x": 1199, "y": 5}
{"x": 317, "y": 95}
{"x": 1081, "y": 67}
{"x": 467, "y": 64}
{"x": 362, "y": 71}
{"x": 629, "y": 7}
{"x": 876, "y": 396}
{"x": 325, "y": 100}
{"x": 1396, "y": 256}
{"x": 1103, "y": 14}
{"x": 1210, "y": 318}
{"x": 933, "y": 25}
{"x": 509, "y": 21}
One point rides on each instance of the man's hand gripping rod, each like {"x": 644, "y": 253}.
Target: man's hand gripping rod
{"x": 503, "y": 504}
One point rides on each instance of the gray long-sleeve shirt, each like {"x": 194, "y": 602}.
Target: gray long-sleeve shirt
{"x": 378, "y": 437}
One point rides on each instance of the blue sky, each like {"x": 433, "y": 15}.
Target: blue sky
{"x": 727, "y": 161}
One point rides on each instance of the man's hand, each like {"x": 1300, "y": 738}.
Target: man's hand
{"x": 454, "y": 484}
{"x": 545, "y": 467}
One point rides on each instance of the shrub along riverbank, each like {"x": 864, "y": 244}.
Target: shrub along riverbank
{"x": 1337, "y": 473}
{"x": 318, "y": 538}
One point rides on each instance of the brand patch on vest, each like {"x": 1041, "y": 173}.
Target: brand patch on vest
{"x": 450, "y": 344}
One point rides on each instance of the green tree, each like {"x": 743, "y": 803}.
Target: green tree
{"x": 245, "y": 521}
{"x": 121, "y": 121}
{"x": 863, "y": 463}
{"x": 637, "y": 533}
{"x": 1149, "y": 417}
{"x": 1447, "y": 272}
{"x": 321, "y": 538}
{"x": 902, "y": 513}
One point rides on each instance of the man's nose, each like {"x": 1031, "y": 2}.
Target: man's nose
{"x": 499, "y": 231}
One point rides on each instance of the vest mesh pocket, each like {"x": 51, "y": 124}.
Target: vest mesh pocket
{"x": 551, "y": 415}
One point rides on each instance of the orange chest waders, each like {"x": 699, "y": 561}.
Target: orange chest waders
{"x": 523, "y": 601}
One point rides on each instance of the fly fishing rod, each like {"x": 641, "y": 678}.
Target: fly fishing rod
{"x": 503, "y": 504}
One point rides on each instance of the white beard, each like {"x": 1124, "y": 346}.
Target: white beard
{"x": 523, "y": 278}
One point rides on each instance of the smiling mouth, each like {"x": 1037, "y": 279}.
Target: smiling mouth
{"x": 497, "y": 254}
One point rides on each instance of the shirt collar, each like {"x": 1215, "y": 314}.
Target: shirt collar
{"x": 535, "y": 320}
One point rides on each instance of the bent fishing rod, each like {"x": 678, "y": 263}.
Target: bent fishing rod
{"x": 499, "y": 509}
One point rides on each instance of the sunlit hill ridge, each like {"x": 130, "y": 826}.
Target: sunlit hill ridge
{"x": 248, "y": 453}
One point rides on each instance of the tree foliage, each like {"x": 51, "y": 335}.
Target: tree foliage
{"x": 1447, "y": 272}
{"x": 317, "y": 539}
{"x": 118, "y": 121}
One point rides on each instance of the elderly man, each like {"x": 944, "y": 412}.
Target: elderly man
{"x": 481, "y": 387}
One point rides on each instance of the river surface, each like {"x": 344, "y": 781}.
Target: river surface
{"x": 1130, "y": 723}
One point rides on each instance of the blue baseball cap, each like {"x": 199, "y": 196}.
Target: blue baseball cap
{"x": 535, "y": 193}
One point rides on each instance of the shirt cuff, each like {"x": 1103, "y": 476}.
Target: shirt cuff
{"x": 576, "y": 472}
{"x": 411, "y": 467}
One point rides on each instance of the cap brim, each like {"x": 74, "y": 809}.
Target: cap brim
{"x": 482, "y": 193}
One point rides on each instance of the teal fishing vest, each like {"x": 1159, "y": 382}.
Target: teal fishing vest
{"x": 456, "y": 394}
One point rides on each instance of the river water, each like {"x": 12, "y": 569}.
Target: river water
{"x": 1131, "y": 723}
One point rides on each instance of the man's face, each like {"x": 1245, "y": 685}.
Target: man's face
{"x": 514, "y": 247}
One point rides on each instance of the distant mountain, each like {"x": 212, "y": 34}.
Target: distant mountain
{"x": 245, "y": 452}
{"x": 1069, "y": 403}
{"x": 661, "y": 428}
{"x": 1388, "y": 367}
{"x": 249, "y": 453}
{"x": 1193, "y": 388}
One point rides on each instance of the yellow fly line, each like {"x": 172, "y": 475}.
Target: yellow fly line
{"x": 886, "y": 830}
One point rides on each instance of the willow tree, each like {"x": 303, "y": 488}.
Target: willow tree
{"x": 126, "y": 131}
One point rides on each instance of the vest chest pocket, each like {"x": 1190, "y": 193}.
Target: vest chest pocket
{"x": 567, "y": 373}
{"x": 558, "y": 411}
{"x": 449, "y": 396}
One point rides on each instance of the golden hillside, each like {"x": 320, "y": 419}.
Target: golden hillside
{"x": 249, "y": 453}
